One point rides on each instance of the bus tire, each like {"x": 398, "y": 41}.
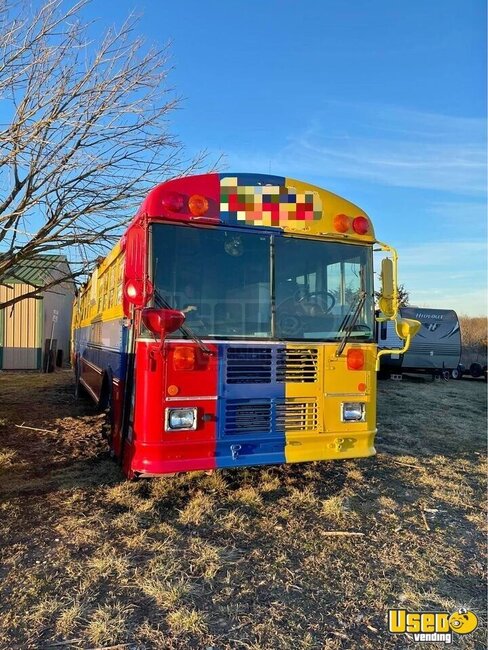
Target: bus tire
{"x": 105, "y": 405}
{"x": 79, "y": 388}
{"x": 476, "y": 370}
{"x": 105, "y": 397}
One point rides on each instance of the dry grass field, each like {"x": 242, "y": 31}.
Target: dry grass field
{"x": 474, "y": 340}
{"x": 238, "y": 559}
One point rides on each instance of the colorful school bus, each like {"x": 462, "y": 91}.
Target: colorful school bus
{"x": 233, "y": 325}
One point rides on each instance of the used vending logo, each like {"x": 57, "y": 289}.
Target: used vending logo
{"x": 431, "y": 626}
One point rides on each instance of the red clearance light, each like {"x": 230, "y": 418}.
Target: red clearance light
{"x": 360, "y": 225}
{"x": 355, "y": 359}
{"x": 132, "y": 290}
{"x": 342, "y": 222}
{"x": 173, "y": 201}
{"x": 184, "y": 358}
{"x": 137, "y": 292}
{"x": 198, "y": 205}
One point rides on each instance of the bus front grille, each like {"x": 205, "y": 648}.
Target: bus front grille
{"x": 268, "y": 416}
{"x": 266, "y": 365}
{"x": 249, "y": 365}
{"x": 243, "y": 416}
{"x": 297, "y": 365}
{"x": 297, "y": 416}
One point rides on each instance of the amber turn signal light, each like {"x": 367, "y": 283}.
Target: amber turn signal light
{"x": 355, "y": 359}
{"x": 184, "y": 358}
{"x": 198, "y": 205}
{"x": 342, "y": 222}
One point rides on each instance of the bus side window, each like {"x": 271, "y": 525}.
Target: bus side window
{"x": 383, "y": 330}
{"x": 111, "y": 283}
{"x": 106, "y": 300}
{"x": 120, "y": 274}
{"x": 104, "y": 292}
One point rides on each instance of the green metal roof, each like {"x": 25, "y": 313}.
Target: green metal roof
{"x": 34, "y": 270}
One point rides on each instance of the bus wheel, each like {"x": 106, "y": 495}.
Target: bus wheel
{"x": 105, "y": 405}
{"x": 79, "y": 388}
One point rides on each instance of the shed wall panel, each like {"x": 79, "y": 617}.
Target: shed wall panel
{"x": 20, "y": 329}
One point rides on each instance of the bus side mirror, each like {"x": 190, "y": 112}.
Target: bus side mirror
{"x": 388, "y": 299}
{"x": 162, "y": 321}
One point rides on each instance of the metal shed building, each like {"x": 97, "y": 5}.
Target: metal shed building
{"x": 26, "y": 327}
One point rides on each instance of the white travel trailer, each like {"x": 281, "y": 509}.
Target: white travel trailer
{"x": 435, "y": 349}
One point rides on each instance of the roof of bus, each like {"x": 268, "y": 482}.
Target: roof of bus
{"x": 257, "y": 200}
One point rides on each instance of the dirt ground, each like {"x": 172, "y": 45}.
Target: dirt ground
{"x": 239, "y": 558}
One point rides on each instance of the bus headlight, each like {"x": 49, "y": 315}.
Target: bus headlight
{"x": 353, "y": 411}
{"x": 181, "y": 419}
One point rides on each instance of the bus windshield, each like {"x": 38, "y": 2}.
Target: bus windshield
{"x": 235, "y": 284}
{"x": 318, "y": 285}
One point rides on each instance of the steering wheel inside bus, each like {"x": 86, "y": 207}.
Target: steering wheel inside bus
{"x": 315, "y": 303}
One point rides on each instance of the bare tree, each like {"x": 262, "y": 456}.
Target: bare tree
{"x": 87, "y": 134}
{"x": 403, "y": 296}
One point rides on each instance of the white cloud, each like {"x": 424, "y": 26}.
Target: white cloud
{"x": 449, "y": 274}
{"x": 469, "y": 303}
{"x": 461, "y": 213}
{"x": 392, "y": 146}
{"x": 448, "y": 254}
{"x": 383, "y": 145}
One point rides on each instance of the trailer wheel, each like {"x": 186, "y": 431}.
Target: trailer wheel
{"x": 456, "y": 373}
{"x": 476, "y": 370}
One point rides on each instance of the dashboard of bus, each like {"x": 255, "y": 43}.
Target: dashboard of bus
{"x": 235, "y": 284}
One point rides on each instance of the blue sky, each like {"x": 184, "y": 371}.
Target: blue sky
{"x": 382, "y": 102}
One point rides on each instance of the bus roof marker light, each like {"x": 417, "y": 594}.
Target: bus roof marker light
{"x": 198, "y": 205}
{"x": 173, "y": 201}
{"x": 360, "y": 225}
{"x": 342, "y": 223}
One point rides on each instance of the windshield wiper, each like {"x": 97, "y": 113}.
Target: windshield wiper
{"x": 350, "y": 320}
{"x": 187, "y": 331}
